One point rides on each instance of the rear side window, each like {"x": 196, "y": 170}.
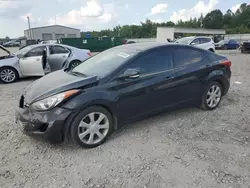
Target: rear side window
{"x": 152, "y": 62}
{"x": 58, "y": 50}
{"x": 204, "y": 40}
{"x": 184, "y": 56}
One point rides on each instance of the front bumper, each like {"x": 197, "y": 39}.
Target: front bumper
{"x": 48, "y": 125}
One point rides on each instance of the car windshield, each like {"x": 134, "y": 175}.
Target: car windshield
{"x": 185, "y": 40}
{"x": 105, "y": 62}
{"x": 23, "y": 51}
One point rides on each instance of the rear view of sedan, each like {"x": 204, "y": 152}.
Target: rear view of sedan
{"x": 118, "y": 86}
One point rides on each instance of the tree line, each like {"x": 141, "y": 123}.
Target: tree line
{"x": 234, "y": 23}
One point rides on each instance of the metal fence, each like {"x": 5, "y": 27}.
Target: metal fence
{"x": 237, "y": 37}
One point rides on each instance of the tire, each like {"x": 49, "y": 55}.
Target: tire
{"x": 210, "y": 93}
{"x": 82, "y": 126}
{"x": 224, "y": 47}
{"x": 12, "y": 75}
{"x": 211, "y": 50}
{"x": 73, "y": 64}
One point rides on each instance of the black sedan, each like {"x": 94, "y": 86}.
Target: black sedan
{"x": 121, "y": 85}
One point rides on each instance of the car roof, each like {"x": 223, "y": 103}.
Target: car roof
{"x": 140, "y": 47}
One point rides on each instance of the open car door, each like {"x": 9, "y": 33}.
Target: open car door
{"x": 31, "y": 63}
{"x": 57, "y": 56}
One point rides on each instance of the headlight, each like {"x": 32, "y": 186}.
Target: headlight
{"x": 52, "y": 101}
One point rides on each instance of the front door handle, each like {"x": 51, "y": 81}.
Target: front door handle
{"x": 169, "y": 78}
{"x": 64, "y": 56}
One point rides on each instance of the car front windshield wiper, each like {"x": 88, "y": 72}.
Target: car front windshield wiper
{"x": 76, "y": 73}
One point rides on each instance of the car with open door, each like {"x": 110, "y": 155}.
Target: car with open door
{"x": 38, "y": 60}
{"x": 118, "y": 86}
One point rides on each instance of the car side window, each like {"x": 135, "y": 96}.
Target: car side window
{"x": 184, "y": 56}
{"x": 39, "y": 51}
{"x": 58, "y": 50}
{"x": 152, "y": 62}
{"x": 204, "y": 40}
{"x": 195, "y": 42}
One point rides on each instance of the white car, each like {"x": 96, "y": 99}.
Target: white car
{"x": 38, "y": 60}
{"x": 200, "y": 42}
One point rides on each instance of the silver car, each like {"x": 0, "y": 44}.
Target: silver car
{"x": 38, "y": 60}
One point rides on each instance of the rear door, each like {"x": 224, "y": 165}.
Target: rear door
{"x": 204, "y": 43}
{"x": 31, "y": 63}
{"x": 152, "y": 90}
{"x": 57, "y": 56}
{"x": 191, "y": 67}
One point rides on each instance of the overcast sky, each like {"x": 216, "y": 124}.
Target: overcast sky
{"x": 100, "y": 14}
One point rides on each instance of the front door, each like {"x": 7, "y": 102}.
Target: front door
{"x": 152, "y": 90}
{"x": 57, "y": 56}
{"x": 31, "y": 62}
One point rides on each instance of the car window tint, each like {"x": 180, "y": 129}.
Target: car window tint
{"x": 204, "y": 40}
{"x": 183, "y": 56}
{"x": 39, "y": 51}
{"x": 152, "y": 62}
{"x": 58, "y": 50}
{"x": 195, "y": 42}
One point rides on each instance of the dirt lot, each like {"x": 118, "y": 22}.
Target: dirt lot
{"x": 182, "y": 149}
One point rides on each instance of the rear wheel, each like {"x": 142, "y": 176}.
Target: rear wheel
{"x": 225, "y": 47}
{"x": 74, "y": 64}
{"x": 91, "y": 127}
{"x": 8, "y": 75}
{"x": 211, "y": 50}
{"x": 212, "y": 96}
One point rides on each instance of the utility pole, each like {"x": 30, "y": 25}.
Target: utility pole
{"x": 28, "y": 18}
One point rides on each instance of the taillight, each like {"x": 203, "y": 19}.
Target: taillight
{"x": 89, "y": 53}
{"x": 226, "y": 63}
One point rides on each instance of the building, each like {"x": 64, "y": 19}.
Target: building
{"x": 164, "y": 33}
{"x": 52, "y": 32}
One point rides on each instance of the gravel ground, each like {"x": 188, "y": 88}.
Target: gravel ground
{"x": 182, "y": 149}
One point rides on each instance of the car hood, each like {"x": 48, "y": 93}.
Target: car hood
{"x": 55, "y": 83}
{"x": 4, "y": 49}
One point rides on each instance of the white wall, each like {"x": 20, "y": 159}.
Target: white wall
{"x": 238, "y": 37}
{"x": 164, "y": 33}
{"x": 37, "y": 33}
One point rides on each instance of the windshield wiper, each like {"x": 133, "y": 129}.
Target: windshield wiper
{"x": 76, "y": 73}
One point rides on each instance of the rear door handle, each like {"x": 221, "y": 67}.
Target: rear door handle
{"x": 169, "y": 78}
{"x": 38, "y": 59}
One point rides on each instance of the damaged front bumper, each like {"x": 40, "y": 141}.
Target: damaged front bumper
{"x": 48, "y": 125}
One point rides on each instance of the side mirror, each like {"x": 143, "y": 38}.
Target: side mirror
{"x": 192, "y": 44}
{"x": 130, "y": 74}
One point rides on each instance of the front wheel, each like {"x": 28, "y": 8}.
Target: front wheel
{"x": 212, "y": 96}
{"x": 8, "y": 75}
{"x": 91, "y": 127}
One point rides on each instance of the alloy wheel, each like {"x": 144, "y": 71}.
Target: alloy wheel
{"x": 7, "y": 75}
{"x": 213, "y": 96}
{"x": 93, "y": 128}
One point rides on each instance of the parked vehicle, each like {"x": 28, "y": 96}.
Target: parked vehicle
{"x": 205, "y": 43}
{"x": 121, "y": 85}
{"x": 38, "y": 60}
{"x": 227, "y": 44}
{"x": 12, "y": 43}
{"x": 245, "y": 48}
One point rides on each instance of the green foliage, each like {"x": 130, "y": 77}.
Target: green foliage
{"x": 238, "y": 22}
